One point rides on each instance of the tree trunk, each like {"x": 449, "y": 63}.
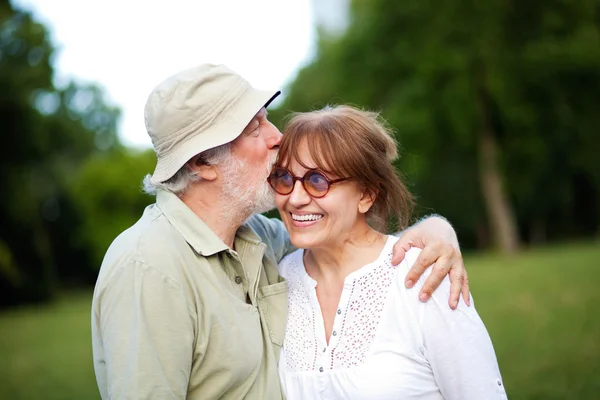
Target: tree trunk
{"x": 499, "y": 211}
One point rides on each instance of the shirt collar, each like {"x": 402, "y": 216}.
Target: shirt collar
{"x": 195, "y": 231}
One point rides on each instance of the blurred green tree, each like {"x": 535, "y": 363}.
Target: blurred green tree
{"x": 47, "y": 133}
{"x": 108, "y": 192}
{"x": 494, "y": 104}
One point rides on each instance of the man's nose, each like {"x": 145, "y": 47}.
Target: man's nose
{"x": 274, "y": 139}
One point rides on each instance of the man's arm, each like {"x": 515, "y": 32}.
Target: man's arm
{"x": 146, "y": 336}
{"x": 272, "y": 232}
{"x": 438, "y": 240}
{"x": 434, "y": 235}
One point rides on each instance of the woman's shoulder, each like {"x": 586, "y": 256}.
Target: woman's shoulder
{"x": 410, "y": 257}
{"x": 439, "y": 297}
{"x": 407, "y": 263}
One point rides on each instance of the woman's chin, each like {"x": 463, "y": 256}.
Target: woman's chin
{"x": 303, "y": 241}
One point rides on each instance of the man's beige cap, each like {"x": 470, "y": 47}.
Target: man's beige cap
{"x": 196, "y": 110}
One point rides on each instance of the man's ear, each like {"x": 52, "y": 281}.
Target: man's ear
{"x": 204, "y": 170}
{"x": 366, "y": 201}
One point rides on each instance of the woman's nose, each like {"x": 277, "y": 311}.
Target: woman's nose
{"x": 299, "y": 196}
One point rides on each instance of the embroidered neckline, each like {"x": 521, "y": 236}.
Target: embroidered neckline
{"x": 361, "y": 307}
{"x": 348, "y": 281}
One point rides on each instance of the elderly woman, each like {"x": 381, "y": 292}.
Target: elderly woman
{"x": 354, "y": 330}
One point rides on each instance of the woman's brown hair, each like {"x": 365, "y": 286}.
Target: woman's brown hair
{"x": 350, "y": 142}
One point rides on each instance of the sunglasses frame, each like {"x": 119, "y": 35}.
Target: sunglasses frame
{"x": 302, "y": 179}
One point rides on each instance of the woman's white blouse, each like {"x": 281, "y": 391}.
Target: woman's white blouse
{"x": 385, "y": 343}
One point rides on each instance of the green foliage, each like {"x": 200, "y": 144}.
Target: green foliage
{"x": 47, "y": 133}
{"x": 108, "y": 194}
{"x": 441, "y": 72}
{"x": 438, "y": 71}
{"x": 7, "y": 266}
{"x": 539, "y": 308}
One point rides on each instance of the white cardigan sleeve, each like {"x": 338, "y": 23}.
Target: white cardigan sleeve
{"x": 457, "y": 346}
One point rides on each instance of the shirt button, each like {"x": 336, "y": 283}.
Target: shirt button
{"x": 339, "y": 311}
{"x": 334, "y": 333}
{"x": 320, "y": 369}
{"x": 324, "y": 349}
{"x": 498, "y": 382}
{"x": 238, "y": 280}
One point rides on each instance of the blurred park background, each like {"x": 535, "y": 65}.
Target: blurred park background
{"x": 496, "y": 106}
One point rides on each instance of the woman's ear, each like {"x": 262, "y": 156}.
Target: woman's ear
{"x": 204, "y": 170}
{"x": 366, "y": 201}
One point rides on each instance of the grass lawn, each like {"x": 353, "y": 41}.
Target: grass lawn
{"x": 541, "y": 310}
{"x": 46, "y": 352}
{"x": 540, "y": 307}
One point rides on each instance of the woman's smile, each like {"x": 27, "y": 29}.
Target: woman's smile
{"x": 303, "y": 220}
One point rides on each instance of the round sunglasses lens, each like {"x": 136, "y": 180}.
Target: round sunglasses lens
{"x": 316, "y": 183}
{"x": 282, "y": 181}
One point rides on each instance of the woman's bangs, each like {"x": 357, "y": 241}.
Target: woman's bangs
{"x": 324, "y": 146}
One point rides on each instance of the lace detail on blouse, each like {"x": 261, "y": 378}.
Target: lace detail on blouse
{"x": 300, "y": 343}
{"x": 358, "y": 320}
{"x": 361, "y": 316}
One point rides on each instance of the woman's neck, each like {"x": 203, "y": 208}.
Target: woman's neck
{"x": 336, "y": 261}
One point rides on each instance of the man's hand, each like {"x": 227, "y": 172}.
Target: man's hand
{"x": 440, "y": 247}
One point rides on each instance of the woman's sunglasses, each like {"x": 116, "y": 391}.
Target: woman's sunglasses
{"x": 314, "y": 182}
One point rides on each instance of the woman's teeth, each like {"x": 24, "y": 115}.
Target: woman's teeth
{"x": 306, "y": 217}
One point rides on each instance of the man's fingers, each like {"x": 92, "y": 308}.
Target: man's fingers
{"x": 426, "y": 291}
{"x": 457, "y": 281}
{"x": 438, "y": 274}
{"x": 423, "y": 262}
{"x": 400, "y": 249}
{"x": 465, "y": 289}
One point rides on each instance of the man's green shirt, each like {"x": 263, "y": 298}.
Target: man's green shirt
{"x": 178, "y": 314}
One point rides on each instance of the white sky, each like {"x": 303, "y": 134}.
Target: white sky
{"x": 128, "y": 46}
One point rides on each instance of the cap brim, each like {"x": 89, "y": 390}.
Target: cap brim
{"x": 271, "y": 99}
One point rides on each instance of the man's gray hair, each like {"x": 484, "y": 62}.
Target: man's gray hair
{"x": 183, "y": 178}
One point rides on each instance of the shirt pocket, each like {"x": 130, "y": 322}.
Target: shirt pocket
{"x": 273, "y": 303}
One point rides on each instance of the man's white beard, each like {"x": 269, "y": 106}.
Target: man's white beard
{"x": 241, "y": 198}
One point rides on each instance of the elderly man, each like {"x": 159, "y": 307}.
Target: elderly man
{"x": 188, "y": 302}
